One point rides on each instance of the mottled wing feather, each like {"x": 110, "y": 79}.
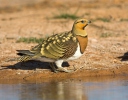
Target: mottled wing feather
{"x": 36, "y": 49}
{"x": 70, "y": 50}
{"x": 58, "y": 46}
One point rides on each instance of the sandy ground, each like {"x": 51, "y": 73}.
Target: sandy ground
{"x": 107, "y": 51}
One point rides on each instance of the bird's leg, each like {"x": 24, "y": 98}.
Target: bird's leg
{"x": 60, "y": 68}
{"x": 53, "y": 67}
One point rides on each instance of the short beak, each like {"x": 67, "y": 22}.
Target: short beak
{"x": 89, "y": 22}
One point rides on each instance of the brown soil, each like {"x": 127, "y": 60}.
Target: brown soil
{"x": 107, "y": 51}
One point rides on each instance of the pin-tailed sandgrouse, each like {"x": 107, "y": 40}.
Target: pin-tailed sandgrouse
{"x": 60, "y": 47}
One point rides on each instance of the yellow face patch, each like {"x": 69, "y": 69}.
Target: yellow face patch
{"x": 81, "y": 23}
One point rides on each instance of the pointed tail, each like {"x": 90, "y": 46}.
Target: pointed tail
{"x": 25, "y": 56}
{"x": 20, "y": 59}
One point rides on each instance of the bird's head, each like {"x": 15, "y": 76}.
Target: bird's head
{"x": 79, "y": 26}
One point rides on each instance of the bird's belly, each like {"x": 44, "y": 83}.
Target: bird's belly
{"x": 44, "y": 59}
{"x": 76, "y": 55}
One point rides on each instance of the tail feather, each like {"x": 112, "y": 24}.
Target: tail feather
{"x": 24, "y": 52}
{"x": 24, "y": 58}
{"x": 25, "y": 55}
{"x": 21, "y": 59}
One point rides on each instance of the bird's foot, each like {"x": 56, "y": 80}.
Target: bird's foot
{"x": 61, "y": 69}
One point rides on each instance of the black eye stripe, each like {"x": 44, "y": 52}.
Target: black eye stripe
{"x": 82, "y": 21}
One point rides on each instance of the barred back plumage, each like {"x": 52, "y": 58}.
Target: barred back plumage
{"x": 58, "y": 46}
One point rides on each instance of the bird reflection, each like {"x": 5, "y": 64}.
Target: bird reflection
{"x": 53, "y": 91}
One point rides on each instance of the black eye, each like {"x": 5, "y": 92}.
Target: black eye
{"x": 82, "y": 21}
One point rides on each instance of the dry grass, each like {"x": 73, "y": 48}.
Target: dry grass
{"x": 29, "y": 40}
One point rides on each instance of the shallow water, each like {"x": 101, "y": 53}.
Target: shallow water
{"x": 89, "y": 89}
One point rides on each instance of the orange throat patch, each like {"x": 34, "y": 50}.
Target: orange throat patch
{"x": 83, "y": 41}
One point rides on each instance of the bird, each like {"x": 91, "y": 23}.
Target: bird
{"x": 60, "y": 47}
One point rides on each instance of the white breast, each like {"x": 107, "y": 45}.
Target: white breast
{"x": 76, "y": 55}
